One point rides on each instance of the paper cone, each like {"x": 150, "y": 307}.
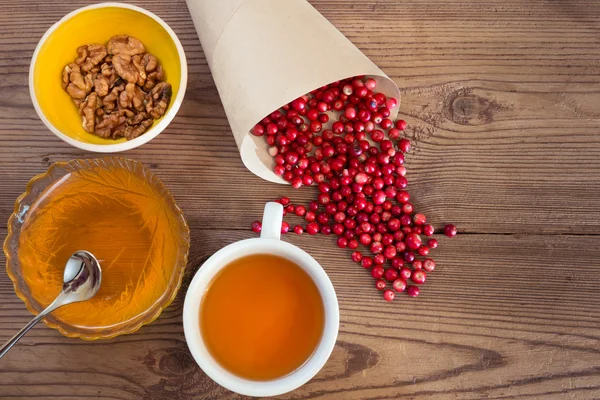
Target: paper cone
{"x": 264, "y": 54}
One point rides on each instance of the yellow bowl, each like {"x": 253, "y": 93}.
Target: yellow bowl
{"x": 36, "y": 285}
{"x": 97, "y": 24}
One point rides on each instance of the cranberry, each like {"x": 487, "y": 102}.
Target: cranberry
{"x": 428, "y": 264}
{"x": 379, "y": 259}
{"x": 423, "y": 251}
{"x": 312, "y": 228}
{"x": 325, "y": 230}
{"x": 380, "y": 284}
{"x": 391, "y": 103}
{"x": 323, "y": 218}
{"x": 356, "y": 256}
{"x": 256, "y": 226}
{"x": 284, "y": 201}
{"x": 298, "y": 230}
{"x": 428, "y": 230}
{"x": 338, "y": 229}
{"x": 342, "y": 242}
{"x": 401, "y": 124}
{"x": 379, "y": 197}
{"x": 324, "y": 198}
{"x": 404, "y": 145}
{"x": 400, "y": 246}
{"x": 405, "y": 220}
{"x": 389, "y": 295}
{"x": 397, "y": 263}
{"x": 450, "y": 230}
{"x": 377, "y": 271}
{"x": 402, "y": 196}
{"x": 258, "y": 130}
{"x": 376, "y": 247}
{"x": 419, "y": 219}
{"x": 407, "y": 208}
{"x": 370, "y": 83}
{"x": 413, "y": 241}
{"x": 405, "y": 273}
{"x": 389, "y": 252}
{"x": 432, "y": 243}
{"x": 367, "y": 262}
{"x": 412, "y": 291}
{"x": 409, "y": 256}
{"x": 285, "y": 227}
{"x": 418, "y": 277}
{"x": 365, "y": 239}
{"x": 391, "y": 274}
{"x": 299, "y": 104}
{"x": 417, "y": 264}
{"x": 387, "y": 239}
{"x": 399, "y": 285}
{"x": 352, "y": 244}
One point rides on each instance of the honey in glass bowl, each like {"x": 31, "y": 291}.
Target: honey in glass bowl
{"x": 114, "y": 209}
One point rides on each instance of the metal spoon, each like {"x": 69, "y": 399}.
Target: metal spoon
{"x": 82, "y": 278}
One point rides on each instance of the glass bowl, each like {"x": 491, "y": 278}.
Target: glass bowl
{"x": 128, "y": 300}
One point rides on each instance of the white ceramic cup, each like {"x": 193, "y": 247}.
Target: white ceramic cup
{"x": 268, "y": 243}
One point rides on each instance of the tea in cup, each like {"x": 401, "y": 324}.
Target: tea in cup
{"x": 261, "y": 316}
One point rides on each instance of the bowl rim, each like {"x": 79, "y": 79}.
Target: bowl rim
{"x": 64, "y": 329}
{"x": 147, "y": 136}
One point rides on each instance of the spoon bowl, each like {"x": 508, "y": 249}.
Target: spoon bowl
{"x": 82, "y": 278}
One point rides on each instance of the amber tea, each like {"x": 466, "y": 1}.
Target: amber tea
{"x": 262, "y": 317}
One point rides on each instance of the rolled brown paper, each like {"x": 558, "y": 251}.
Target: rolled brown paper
{"x": 265, "y": 53}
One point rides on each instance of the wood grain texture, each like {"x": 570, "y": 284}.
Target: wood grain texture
{"x": 503, "y": 105}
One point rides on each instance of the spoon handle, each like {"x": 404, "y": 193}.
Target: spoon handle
{"x": 8, "y": 345}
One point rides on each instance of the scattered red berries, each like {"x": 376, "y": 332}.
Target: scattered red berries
{"x": 340, "y": 139}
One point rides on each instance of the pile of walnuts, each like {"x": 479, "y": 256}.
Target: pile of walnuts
{"x": 119, "y": 88}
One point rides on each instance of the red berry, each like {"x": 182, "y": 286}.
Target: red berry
{"x": 413, "y": 241}
{"x": 412, "y": 291}
{"x": 300, "y": 211}
{"x": 391, "y": 274}
{"x": 401, "y": 124}
{"x": 380, "y": 284}
{"x": 417, "y": 264}
{"x": 356, "y": 256}
{"x": 298, "y": 230}
{"x": 376, "y": 247}
{"x": 428, "y": 230}
{"x": 397, "y": 263}
{"x": 312, "y": 228}
{"x": 389, "y": 252}
{"x": 432, "y": 243}
{"x": 285, "y": 227}
{"x": 428, "y": 264}
{"x": 405, "y": 273}
{"x": 419, "y": 277}
{"x": 342, "y": 242}
{"x": 423, "y": 251}
{"x": 377, "y": 271}
{"x": 450, "y": 230}
{"x": 284, "y": 201}
{"x": 256, "y": 226}
{"x": 367, "y": 262}
{"x": 404, "y": 145}
{"x": 389, "y": 295}
{"x": 399, "y": 285}
{"x": 419, "y": 219}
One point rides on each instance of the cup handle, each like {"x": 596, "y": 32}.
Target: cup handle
{"x": 271, "y": 221}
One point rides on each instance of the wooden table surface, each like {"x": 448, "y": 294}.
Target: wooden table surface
{"x": 503, "y": 105}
